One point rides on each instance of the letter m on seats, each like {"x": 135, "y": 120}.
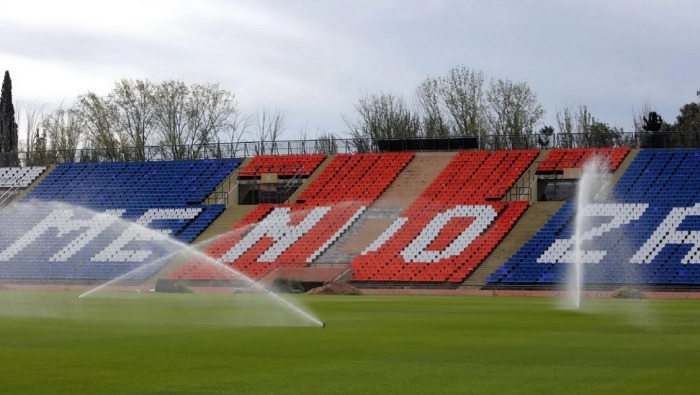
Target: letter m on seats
{"x": 278, "y": 225}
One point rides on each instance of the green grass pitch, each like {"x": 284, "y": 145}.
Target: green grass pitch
{"x": 53, "y": 342}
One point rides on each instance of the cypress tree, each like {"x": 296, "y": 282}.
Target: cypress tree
{"x": 8, "y": 126}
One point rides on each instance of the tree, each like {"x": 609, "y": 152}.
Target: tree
{"x": 230, "y": 138}
{"x": 170, "y": 121}
{"x": 579, "y": 128}
{"x": 9, "y": 139}
{"x": 463, "y": 95}
{"x": 429, "y": 102}
{"x": 133, "y": 100}
{"x": 326, "y": 144}
{"x": 33, "y": 114}
{"x": 573, "y": 125}
{"x": 189, "y": 121}
{"x": 653, "y": 123}
{"x": 383, "y": 116}
{"x": 513, "y": 112}
{"x": 544, "y": 140}
{"x": 98, "y": 118}
{"x": 601, "y": 134}
{"x": 212, "y": 111}
{"x": 689, "y": 118}
{"x": 37, "y": 154}
{"x": 270, "y": 124}
{"x": 63, "y": 132}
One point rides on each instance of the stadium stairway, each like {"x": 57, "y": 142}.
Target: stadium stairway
{"x": 417, "y": 175}
{"x": 534, "y": 218}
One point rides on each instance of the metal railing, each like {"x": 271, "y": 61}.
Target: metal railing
{"x": 333, "y": 146}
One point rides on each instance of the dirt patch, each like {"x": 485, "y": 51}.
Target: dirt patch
{"x": 335, "y": 289}
{"x": 627, "y": 293}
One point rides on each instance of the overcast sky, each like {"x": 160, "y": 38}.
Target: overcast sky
{"x": 314, "y": 59}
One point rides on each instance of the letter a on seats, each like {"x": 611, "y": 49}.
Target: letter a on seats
{"x": 668, "y": 233}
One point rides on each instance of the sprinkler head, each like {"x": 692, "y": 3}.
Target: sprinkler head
{"x": 324, "y": 325}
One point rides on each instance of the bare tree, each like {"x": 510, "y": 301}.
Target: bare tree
{"x": 231, "y": 136}
{"x": 269, "y": 124}
{"x": 513, "y": 113}
{"x": 383, "y": 116}
{"x": 211, "y": 111}
{"x": 63, "y": 131}
{"x": 326, "y": 144}
{"x": 574, "y": 124}
{"x": 33, "y": 114}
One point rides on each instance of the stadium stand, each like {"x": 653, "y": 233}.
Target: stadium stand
{"x": 283, "y": 165}
{"x": 452, "y": 226}
{"x": 293, "y": 235}
{"x": 70, "y": 227}
{"x": 560, "y": 158}
{"x": 647, "y": 233}
{"x": 19, "y": 177}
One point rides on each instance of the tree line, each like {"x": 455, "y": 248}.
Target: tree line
{"x": 195, "y": 121}
{"x": 457, "y": 104}
{"x": 503, "y": 114}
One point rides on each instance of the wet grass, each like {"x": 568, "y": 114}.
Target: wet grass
{"x": 52, "y": 342}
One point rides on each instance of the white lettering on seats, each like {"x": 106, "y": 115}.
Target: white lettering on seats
{"x": 139, "y": 231}
{"x": 63, "y": 221}
{"x": 561, "y": 251}
{"x": 386, "y": 235}
{"x": 668, "y": 233}
{"x": 276, "y": 225}
{"x": 416, "y": 250}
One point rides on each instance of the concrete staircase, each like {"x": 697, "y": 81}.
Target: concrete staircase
{"x": 534, "y": 218}
{"x": 361, "y": 234}
{"x": 414, "y": 178}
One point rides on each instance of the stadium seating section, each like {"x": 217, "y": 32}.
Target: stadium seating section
{"x": 282, "y": 165}
{"x": 70, "y": 227}
{"x": 648, "y": 233}
{"x": 296, "y": 234}
{"x": 559, "y": 159}
{"x": 19, "y": 177}
{"x": 453, "y": 225}
{"x": 99, "y": 221}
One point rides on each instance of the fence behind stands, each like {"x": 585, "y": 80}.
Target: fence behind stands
{"x": 353, "y": 145}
